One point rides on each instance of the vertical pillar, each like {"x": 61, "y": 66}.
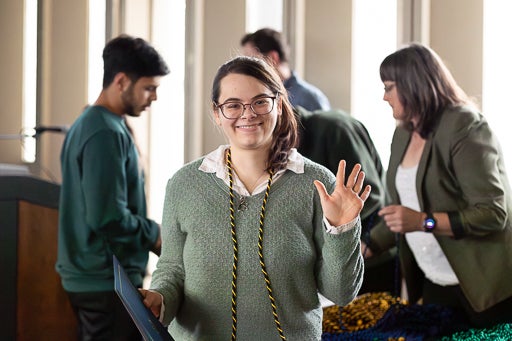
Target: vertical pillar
{"x": 11, "y": 69}
{"x": 328, "y": 49}
{"x": 63, "y": 84}
{"x": 413, "y": 21}
{"x": 213, "y": 40}
{"x": 456, "y": 34}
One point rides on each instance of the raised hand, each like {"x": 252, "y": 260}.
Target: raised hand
{"x": 346, "y": 201}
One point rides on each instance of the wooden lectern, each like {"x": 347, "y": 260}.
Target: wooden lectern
{"x": 33, "y": 305}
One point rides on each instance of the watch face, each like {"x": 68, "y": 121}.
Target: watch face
{"x": 429, "y": 224}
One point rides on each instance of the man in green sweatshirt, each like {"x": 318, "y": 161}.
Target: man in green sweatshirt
{"x": 102, "y": 204}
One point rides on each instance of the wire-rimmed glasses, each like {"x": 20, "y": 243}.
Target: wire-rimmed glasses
{"x": 233, "y": 110}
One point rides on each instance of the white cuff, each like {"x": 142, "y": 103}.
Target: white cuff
{"x": 340, "y": 229}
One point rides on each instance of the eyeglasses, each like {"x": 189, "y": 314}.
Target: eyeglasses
{"x": 260, "y": 106}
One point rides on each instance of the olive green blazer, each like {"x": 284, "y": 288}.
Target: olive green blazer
{"x": 461, "y": 172}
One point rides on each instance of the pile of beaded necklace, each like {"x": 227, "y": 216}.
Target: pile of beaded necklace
{"x": 260, "y": 251}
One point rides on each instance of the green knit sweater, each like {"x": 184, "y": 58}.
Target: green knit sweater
{"x": 194, "y": 270}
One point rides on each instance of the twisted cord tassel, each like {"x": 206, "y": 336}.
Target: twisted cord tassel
{"x": 260, "y": 253}
{"x": 235, "y": 247}
{"x": 262, "y": 261}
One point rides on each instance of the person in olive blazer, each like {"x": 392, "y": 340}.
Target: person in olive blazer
{"x": 451, "y": 199}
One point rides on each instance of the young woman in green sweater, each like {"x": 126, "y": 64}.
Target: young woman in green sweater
{"x": 250, "y": 233}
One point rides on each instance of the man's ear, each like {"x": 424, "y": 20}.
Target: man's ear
{"x": 273, "y": 56}
{"x": 121, "y": 81}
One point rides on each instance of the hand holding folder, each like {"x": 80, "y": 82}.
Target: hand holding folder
{"x": 150, "y": 328}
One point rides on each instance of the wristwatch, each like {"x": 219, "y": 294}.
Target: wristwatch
{"x": 429, "y": 224}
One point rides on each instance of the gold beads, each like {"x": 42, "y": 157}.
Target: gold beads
{"x": 362, "y": 313}
{"x": 331, "y": 320}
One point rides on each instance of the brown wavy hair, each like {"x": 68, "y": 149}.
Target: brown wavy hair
{"x": 425, "y": 86}
{"x": 285, "y": 135}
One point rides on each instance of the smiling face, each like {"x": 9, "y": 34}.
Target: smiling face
{"x": 250, "y": 131}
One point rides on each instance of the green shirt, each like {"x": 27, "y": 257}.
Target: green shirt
{"x": 102, "y": 204}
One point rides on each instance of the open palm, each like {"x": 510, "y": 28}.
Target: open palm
{"x": 346, "y": 201}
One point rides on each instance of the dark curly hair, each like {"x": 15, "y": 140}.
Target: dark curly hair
{"x": 133, "y": 56}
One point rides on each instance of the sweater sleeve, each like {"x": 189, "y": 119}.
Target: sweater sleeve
{"x": 168, "y": 277}
{"x": 478, "y": 168}
{"x": 340, "y": 265}
{"x": 106, "y": 184}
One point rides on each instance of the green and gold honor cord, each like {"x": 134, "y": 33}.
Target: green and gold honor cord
{"x": 260, "y": 252}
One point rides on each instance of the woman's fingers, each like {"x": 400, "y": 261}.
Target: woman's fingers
{"x": 340, "y": 175}
{"x": 366, "y": 193}
{"x": 355, "y": 180}
{"x": 322, "y": 191}
{"x": 152, "y": 300}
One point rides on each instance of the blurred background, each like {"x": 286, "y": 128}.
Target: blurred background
{"x": 51, "y": 66}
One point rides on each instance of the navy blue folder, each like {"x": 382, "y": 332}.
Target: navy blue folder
{"x": 150, "y": 328}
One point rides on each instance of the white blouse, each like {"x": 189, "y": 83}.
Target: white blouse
{"x": 424, "y": 245}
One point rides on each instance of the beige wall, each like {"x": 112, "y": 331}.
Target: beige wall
{"x": 211, "y": 40}
{"x": 328, "y": 55}
{"x": 63, "y": 75}
{"x": 323, "y": 57}
{"x": 221, "y": 42}
{"x": 11, "y": 40}
{"x": 456, "y": 33}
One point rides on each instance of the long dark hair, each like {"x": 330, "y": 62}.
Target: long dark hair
{"x": 285, "y": 134}
{"x": 425, "y": 86}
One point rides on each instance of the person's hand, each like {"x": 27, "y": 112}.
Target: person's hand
{"x": 402, "y": 219}
{"x": 365, "y": 250}
{"x": 346, "y": 201}
{"x": 157, "y": 248}
{"x": 153, "y": 300}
